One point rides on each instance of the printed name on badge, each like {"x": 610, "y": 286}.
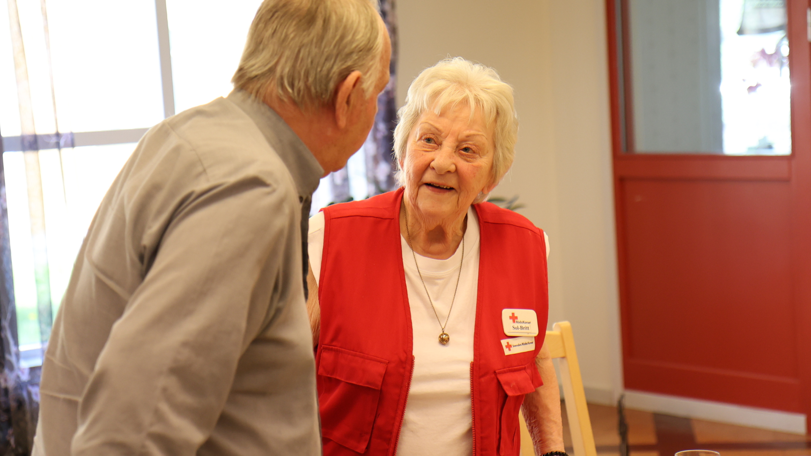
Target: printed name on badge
{"x": 515, "y": 345}
{"x": 519, "y": 322}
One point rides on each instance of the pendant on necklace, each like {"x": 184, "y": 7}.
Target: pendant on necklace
{"x": 444, "y": 338}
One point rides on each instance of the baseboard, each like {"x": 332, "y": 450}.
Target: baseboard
{"x": 599, "y": 396}
{"x": 707, "y": 410}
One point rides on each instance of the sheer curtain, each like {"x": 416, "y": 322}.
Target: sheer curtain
{"x": 38, "y": 124}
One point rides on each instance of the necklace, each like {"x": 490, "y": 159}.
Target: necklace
{"x": 444, "y": 338}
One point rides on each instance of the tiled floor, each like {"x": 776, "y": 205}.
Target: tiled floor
{"x": 652, "y": 434}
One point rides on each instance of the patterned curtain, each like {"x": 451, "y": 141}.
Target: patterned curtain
{"x": 378, "y": 147}
{"x": 379, "y": 159}
{"x": 18, "y": 388}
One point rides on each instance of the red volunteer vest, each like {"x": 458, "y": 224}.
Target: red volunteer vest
{"x": 364, "y": 358}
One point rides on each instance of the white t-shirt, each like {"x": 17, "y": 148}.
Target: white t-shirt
{"x": 438, "y": 417}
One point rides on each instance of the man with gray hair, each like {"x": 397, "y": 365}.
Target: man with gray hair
{"x": 183, "y": 330}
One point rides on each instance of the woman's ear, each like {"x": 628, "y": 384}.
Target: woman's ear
{"x": 489, "y": 188}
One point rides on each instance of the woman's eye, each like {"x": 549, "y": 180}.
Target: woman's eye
{"x": 429, "y": 140}
{"x": 467, "y": 150}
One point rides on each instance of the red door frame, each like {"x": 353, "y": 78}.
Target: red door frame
{"x": 795, "y": 168}
{"x": 801, "y": 161}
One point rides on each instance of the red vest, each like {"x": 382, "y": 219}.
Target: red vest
{"x": 364, "y": 359}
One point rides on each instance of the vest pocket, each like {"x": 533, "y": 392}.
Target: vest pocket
{"x": 348, "y": 394}
{"x": 516, "y": 382}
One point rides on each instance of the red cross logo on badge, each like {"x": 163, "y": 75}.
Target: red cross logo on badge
{"x": 509, "y": 347}
{"x": 513, "y": 317}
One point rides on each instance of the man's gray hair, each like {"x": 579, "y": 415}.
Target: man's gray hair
{"x": 303, "y": 49}
{"x": 459, "y": 81}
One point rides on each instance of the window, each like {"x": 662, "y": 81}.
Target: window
{"x": 80, "y": 86}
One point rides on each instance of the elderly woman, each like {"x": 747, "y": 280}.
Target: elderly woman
{"x": 429, "y": 306}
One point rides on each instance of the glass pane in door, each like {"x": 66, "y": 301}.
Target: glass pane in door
{"x": 707, "y": 76}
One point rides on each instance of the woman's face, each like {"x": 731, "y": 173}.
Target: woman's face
{"x": 448, "y": 162}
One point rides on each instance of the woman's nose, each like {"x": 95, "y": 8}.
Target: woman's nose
{"x": 443, "y": 161}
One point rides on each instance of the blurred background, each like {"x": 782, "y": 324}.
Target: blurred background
{"x": 663, "y": 146}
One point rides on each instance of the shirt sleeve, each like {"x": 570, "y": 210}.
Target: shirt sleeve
{"x": 546, "y": 241}
{"x": 315, "y": 243}
{"x": 166, "y": 370}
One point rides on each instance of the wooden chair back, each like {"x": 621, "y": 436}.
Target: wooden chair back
{"x": 561, "y": 345}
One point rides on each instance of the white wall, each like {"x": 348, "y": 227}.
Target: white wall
{"x": 554, "y": 55}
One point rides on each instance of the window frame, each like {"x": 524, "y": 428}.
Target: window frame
{"x": 109, "y": 137}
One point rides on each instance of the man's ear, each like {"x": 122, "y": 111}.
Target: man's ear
{"x": 344, "y": 99}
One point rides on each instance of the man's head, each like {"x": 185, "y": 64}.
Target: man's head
{"x": 300, "y": 50}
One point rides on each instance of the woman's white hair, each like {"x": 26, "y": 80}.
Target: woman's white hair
{"x": 453, "y": 81}
{"x": 303, "y": 49}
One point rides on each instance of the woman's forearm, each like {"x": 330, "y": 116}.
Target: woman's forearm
{"x": 542, "y": 409}
{"x": 313, "y": 307}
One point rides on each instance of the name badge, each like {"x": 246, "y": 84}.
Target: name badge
{"x": 519, "y": 322}
{"x": 515, "y": 345}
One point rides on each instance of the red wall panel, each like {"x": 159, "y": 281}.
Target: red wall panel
{"x": 707, "y": 270}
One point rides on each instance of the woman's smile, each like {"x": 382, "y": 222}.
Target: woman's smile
{"x": 439, "y": 188}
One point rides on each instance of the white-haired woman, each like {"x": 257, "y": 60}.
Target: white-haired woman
{"x": 428, "y": 306}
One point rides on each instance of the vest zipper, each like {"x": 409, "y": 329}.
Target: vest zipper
{"x": 472, "y": 410}
{"x": 393, "y": 449}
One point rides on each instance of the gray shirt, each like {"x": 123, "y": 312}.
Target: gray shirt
{"x": 183, "y": 330}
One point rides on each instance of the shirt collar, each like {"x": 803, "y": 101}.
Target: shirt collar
{"x": 296, "y": 156}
